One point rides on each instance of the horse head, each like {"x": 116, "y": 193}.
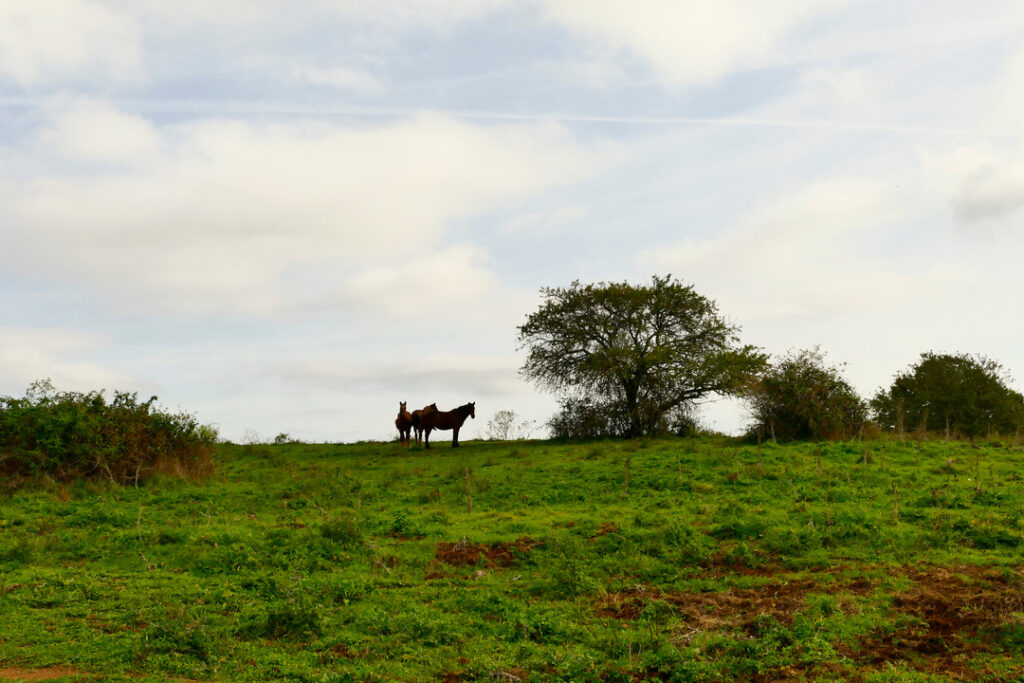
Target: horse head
{"x": 401, "y": 406}
{"x": 472, "y": 409}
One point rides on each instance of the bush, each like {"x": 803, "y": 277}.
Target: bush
{"x": 800, "y": 397}
{"x": 68, "y": 435}
{"x": 955, "y": 394}
{"x": 587, "y": 418}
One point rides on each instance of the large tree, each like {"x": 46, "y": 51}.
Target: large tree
{"x": 639, "y": 350}
{"x": 956, "y": 394}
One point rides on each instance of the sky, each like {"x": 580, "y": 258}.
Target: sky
{"x": 288, "y": 217}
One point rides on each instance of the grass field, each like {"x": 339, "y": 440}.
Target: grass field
{"x": 679, "y": 560}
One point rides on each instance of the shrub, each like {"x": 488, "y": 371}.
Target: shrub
{"x": 956, "y": 394}
{"x": 587, "y": 418}
{"x": 68, "y": 435}
{"x": 800, "y": 397}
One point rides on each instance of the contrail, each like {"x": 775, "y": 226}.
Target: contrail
{"x": 270, "y": 107}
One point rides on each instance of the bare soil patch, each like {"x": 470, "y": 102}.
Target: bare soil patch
{"x": 950, "y": 616}
{"x": 461, "y": 553}
{"x": 45, "y": 674}
{"x": 704, "y": 611}
{"x": 951, "y": 610}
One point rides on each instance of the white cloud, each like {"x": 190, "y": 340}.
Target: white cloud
{"x": 55, "y": 40}
{"x": 1007, "y": 106}
{"x": 231, "y": 13}
{"x": 798, "y": 256}
{"x": 449, "y": 278}
{"x": 87, "y": 130}
{"x": 688, "y": 42}
{"x": 236, "y": 216}
{"x": 27, "y": 355}
{"x": 343, "y": 77}
{"x": 544, "y": 222}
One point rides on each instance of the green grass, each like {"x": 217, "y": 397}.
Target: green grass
{"x": 871, "y": 561}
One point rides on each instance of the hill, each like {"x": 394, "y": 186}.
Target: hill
{"x": 681, "y": 560}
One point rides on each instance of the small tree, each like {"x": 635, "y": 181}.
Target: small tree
{"x": 800, "y": 397}
{"x": 506, "y": 426}
{"x": 953, "y": 394}
{"x": 633, "y": 351}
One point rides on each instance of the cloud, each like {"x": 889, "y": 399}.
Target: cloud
{"x": 87, "y": 130}
{"x": 797, "y": 256}
{"x": 984, "y": 185}
{"x": 438, "y": 375}
{"x": 534, "y": 223}
{"x": 230, "y": 13}
{"x": 27, "y": 355}
{"x": 247, "y": 218}
{"x": 343, "y": 77}
{"x": 59, "y": 40}
{"x": 692, "y": 42}
{"x": 449, "y": 278}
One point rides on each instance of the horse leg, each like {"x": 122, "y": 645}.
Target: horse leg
{"x": 455, "y": 438}
{"x": 426, "y": 438}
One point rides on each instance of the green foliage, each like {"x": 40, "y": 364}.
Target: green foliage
{"x": 959, "y": 395}
{"x": 587, "y": 418}
{"x": 637, "y": 351}
{"x": 67, "y": 435}
{"x": 800, "y": 397}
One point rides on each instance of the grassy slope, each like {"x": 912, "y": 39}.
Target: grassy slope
{"x": 856, "y": 561}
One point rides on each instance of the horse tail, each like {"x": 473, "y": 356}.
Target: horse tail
{"x": 416, "y": 419}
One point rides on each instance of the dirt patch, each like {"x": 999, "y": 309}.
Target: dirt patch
{"x": 942, "y": 623}
{"x": 949, "y": 610}
{"x": 46, "y": 674}
{"x": 461, "y": 553}
{"x": 704, "y": 611}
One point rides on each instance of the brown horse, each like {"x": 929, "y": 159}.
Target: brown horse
{"x": 417, "y": 417}
{"x": 404, "y": 424}
{"x": 450, "y": 419}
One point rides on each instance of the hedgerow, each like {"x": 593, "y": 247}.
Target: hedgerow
{"x": 69, "y": 435}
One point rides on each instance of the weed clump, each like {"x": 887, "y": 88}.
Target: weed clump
{"x": 345, "y": 531}
{"x": 72, "y": 435}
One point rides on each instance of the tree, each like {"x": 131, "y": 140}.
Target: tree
{"x": 506, "y": 426}
{"x": 957, "y": 394}
{"x": 636, "y": 351}
{"x": 800, "y": 397}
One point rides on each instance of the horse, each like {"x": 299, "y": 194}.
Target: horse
{"x": 417, "y": 417}
{"x": 404, "y": 424}
{"x": 450, "y": 419}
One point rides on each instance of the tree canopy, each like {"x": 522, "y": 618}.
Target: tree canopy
{"x": 801, "y": 397}
{"x": 957, "y": 394}
{"x": 639, "y": 351}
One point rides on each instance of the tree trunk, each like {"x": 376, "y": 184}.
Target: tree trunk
{"x": 633, "y": 409}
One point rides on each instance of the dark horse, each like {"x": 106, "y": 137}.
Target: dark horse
{"x": 417, "y": 418}
{"x": 404, "y": 424}
{"x": 450, "y": 419}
